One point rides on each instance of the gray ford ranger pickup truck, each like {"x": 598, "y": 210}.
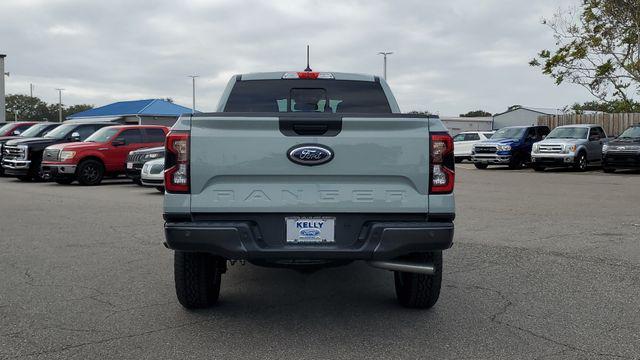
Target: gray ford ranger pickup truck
{"x": 308, "y": 170}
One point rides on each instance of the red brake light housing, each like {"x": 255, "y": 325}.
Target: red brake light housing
{"x": 176, "y": 162}
{"x": 308, "y": 75}
{"x": 442, "y": 167}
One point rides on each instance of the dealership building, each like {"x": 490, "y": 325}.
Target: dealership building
{"x": 142, "y": 112}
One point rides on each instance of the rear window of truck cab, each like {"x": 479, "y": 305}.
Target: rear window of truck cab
{"x": 302, "y": 95}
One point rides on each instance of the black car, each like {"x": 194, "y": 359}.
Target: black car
{"x": 623, "y": 152}
{"x": 22, "y": 157}
{"x": 137, "y": 158}
{"x": 37, "y": 130}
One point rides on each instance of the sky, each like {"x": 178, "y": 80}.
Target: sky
{"x": 449, "y": 57}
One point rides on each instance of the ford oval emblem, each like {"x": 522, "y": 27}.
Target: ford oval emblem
{"x": 310, "y": 154}
{"x": 309, "y": 232}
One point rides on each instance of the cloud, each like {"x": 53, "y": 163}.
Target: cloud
{"x": 450, "y": 57}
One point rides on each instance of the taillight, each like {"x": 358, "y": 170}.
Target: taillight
{"x": 176, "y": 163}
{"x": 442, "y": 171}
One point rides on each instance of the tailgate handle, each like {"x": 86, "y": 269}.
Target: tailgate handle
{"x": 310, "y": 125}
{"x": 310, "y": 129}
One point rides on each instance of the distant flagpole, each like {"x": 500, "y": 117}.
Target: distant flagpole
{"x": 193, "y": 92}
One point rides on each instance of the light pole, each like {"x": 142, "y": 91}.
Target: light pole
{"x": 193, "y": 95}
{"x": 2, "y": 74}
{"x": 60, "y": 104}
{"x": 384, "y": 69}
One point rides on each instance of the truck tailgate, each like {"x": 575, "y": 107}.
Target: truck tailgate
{"x": 239, "y": 163}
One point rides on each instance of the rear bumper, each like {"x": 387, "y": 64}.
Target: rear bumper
{"x": 251, "y": 240}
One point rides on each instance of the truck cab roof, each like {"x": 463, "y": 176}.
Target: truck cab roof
{"x": 276, "y": 75}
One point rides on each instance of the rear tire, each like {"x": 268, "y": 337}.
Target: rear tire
{"x": 197, "y": 278}
{"x": 90, "y": 172}
{"x": 538, "y": 168}
{"x": 420, "y": 290}
{"x": 24, "y": 178}
{"x": 480, "y": 166}
{"x": 609, "y": 170}
{"x": 160, "y": 188}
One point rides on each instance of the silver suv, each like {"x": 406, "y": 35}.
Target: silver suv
{"x": 576, "y": 146}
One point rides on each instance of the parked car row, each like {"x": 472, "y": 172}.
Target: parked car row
{"x": 146, "y": 167}
{"x": 575, "y": 146}
{"x": 85, "y": 152}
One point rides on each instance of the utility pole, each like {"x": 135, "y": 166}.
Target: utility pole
{"x": 60, "y": 104}
{"x": 193, "y": 95}
{"x": 384, "y": 69}
{"x": 31, "y": 90}
{"x": 2, "y": 101}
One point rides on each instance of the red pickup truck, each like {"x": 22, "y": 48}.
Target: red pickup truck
{"x": 103, "y": 153}
{"x": 15, "y": 128}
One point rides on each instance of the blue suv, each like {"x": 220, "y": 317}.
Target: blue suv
{"x": 508, "y": 146}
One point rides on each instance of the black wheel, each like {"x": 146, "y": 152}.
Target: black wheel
{"x": 538, "y": 168}
{"x": 480, "y": 166}
{"x": 420, "y": 290}
{"x": 39, "y": 176}
{"x": 160, "y": 188}
{"x": 580, "y": 162}
{"x": 458, "y": 160}
{"x": 90, "y": 172}
{"x": 25, "y": 178}
{"x": 516, "y": 163}
{"x": 609, "y": 170}
{"x": 137, "y": 182}
{"x": 197, "y": 278}
{"x": 63, "y": 181}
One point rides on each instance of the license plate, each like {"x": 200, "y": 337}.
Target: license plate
{"x": 129, "y": 165}
{"x": 310, "y": 229}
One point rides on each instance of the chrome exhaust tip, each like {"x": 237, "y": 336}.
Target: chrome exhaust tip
{"x": 404, "y": 266}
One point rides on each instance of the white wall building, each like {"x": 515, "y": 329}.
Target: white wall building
{"x": 456, "y": 125}
{"x": 522, "y": 116}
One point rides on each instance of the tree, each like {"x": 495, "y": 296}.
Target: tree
{"x": 415, "y": 112}
{"x": 53, "y": 111}
{"x": 25, "y": 107}
{"x": 598, "y": 48}
{"x": 74, "y": 109}
{"x": 29, "y": 108}
{"x": 476, "y": 113}
{"x": 615, "y": 106}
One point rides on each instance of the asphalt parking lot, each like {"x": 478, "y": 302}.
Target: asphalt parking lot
{"x": 545, "y": 265}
